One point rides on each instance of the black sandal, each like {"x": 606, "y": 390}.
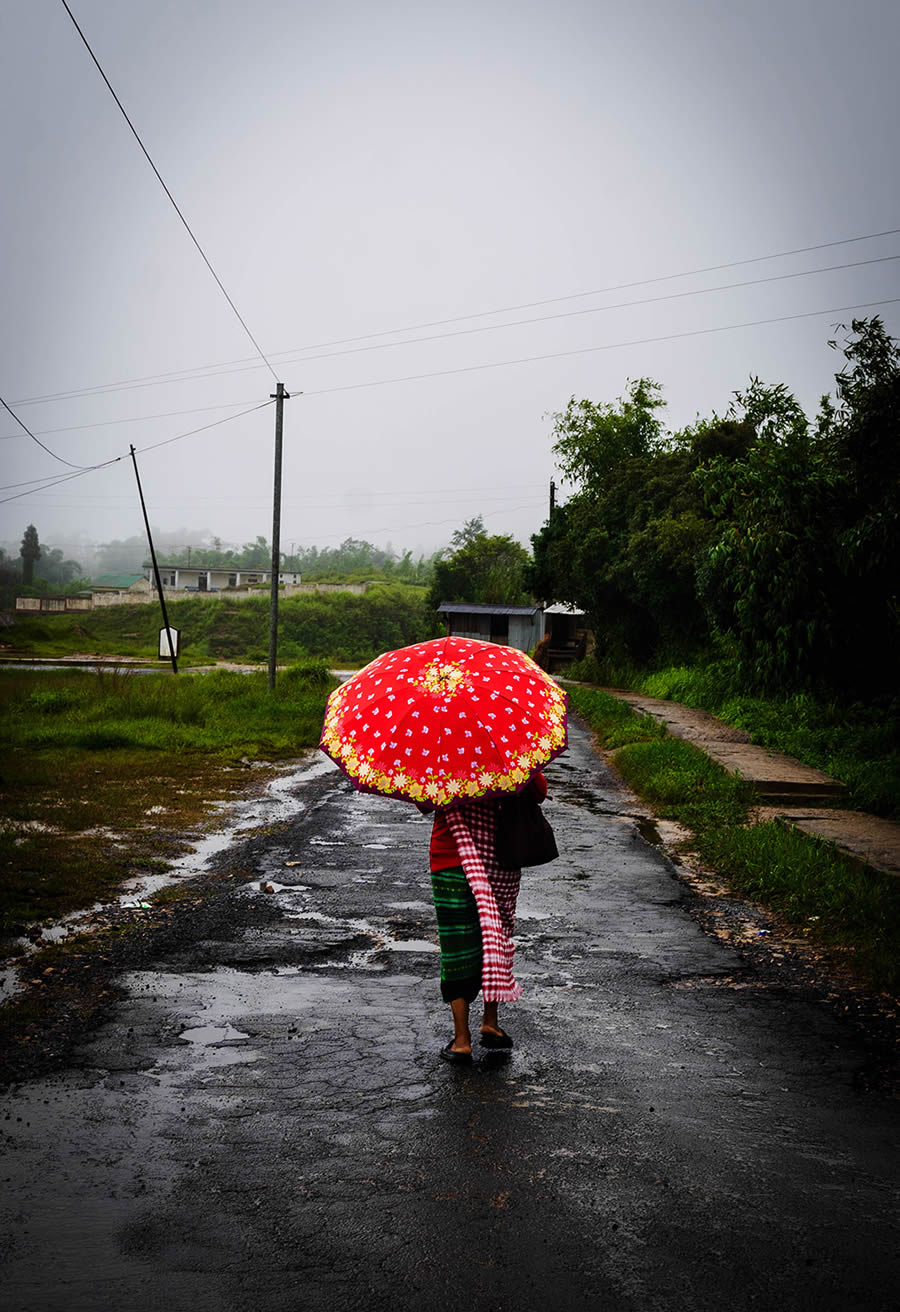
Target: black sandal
{"x": 455, "y": 1058}
{"x": 501, "y": 1040}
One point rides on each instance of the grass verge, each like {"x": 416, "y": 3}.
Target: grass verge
{"x": 836, "y": 903}
{"x": 339, "y": 627}
{"x": 856, "y": 742}
{"x": 105, "y": 774}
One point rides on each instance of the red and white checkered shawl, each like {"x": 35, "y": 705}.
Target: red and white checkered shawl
{"x": 474, "y": 827}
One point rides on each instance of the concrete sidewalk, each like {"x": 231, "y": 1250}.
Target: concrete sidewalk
{"x": 790, "y": 789}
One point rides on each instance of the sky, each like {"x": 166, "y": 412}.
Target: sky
{"x": 379, "y": 185}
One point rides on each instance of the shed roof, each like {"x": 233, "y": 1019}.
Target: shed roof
{"x": 118, "y": 580}
{"x": 480, "y": 608}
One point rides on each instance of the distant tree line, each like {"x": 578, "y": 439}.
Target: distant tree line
{"x": 37, "y": 570}
{"x": 772, "y": 536}
{"x": 354, "y": 558}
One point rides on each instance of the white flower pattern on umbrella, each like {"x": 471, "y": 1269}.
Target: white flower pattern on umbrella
{"x": 474, "y": 687}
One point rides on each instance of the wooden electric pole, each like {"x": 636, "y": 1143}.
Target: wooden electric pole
{"x": 280, "y": 396}
{"x": 552, "y": 497}
{"x": 159, "y": 587}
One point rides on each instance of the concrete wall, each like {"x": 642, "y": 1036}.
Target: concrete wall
{"x": 97, "y": 600}
{"x": 52, "y": 605}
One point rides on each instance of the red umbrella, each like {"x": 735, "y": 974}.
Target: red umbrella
{"x": 444, "y": 721}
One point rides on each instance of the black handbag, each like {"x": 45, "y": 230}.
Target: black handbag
{"x": 524, "y": 836}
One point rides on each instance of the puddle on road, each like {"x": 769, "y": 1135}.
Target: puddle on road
{"x": 647, "y": 830}
{"x": 571, "y": 794}
{"x": 276, "y": 804}
{"x": 205, "y": 1035}
{"x": 382, "y": 941}
{"x": 218, "y": 1008}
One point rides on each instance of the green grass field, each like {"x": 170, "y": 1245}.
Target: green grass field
{"x": 104, "y": 773}
{"x": 338, "y": 627}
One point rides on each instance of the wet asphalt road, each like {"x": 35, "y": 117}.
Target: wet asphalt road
{"x": 264, "y": 1122}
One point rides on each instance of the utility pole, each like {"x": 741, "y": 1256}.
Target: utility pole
{"x": 159, "y": 586}
{"x": 280, "y": 396}
{"x": 552, "y": 497}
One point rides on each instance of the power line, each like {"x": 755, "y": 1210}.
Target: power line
{"x": 65, "y": 478}
{"x": 498, "y": 364}
{"x": 103, "y": 503}
{"x": 159, "y": 176}
{"x": 595, "y": 309}
{"x": 203, "y": 428}
{"x": 431, "y": 523}
{"x": 607, "y": 346}
{"x": 25, "y": 427}
{"x": 188, "y": 375}
{"x": 486, "y": 328}
{"x": 600, "y": 291}
{"x": 134, "y": 419}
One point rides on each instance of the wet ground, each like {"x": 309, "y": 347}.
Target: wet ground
{"x": 263, "y": 1122}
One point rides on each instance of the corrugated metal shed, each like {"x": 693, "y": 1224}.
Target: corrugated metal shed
{"x": 479, "y": 608}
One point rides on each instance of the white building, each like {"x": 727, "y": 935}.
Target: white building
{"x": 215, "y": 578}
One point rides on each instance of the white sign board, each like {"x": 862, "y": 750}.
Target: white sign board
{"x": 165, "y": 653}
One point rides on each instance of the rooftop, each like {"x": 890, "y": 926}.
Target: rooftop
{"x": 117, "y": 580}
{"x": 480, "y": 608}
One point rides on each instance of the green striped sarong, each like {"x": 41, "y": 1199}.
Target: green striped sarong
{"x": 459, "y": 931}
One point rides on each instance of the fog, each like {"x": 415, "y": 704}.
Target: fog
{"x": 377, "y": 186}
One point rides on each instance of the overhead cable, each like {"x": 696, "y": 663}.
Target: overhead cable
{"x": 607, "y": 346}
{"x": 131, "y": 419}
{"x": 224, "y": 366}
{"x": 26, "y": 429}
{"x": 162, "y": 183}
{"x": 593, "y": 309}
{"x": 64, "y": 478}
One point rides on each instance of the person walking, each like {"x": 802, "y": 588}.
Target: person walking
{"x": 475, "y": 904}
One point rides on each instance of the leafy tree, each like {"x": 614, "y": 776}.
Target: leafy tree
{"x": 10, "y": 579}
{"x": 862, "y": 438}
{"x": 773, "y": 412}
{"x": 803, "y": 572}
{"x": 471, "y": 531}
{"x": 490, "y": 570}
{"x": 767, "y": 579}
{"x": 779, "y": 536}
{"x": 592, "y": 439}
{"x": 30, "y": 551}
{"x": 625, "y": 546}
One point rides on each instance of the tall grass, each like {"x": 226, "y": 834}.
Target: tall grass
{"x": 222, "y": 712}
